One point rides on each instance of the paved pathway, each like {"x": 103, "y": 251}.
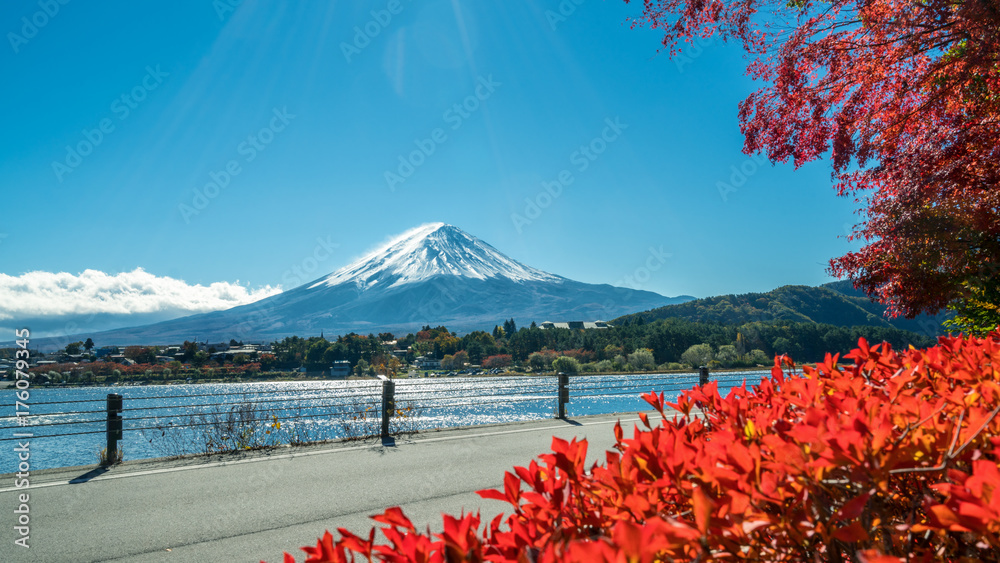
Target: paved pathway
{"x": 253, "y": 507}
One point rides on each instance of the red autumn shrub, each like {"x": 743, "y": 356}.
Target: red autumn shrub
{"x": 580, "y": 355}
{"x": 497, "y": 361}
{"x": 892, "y": 459}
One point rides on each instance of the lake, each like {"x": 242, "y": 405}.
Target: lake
{"x": 68, "y": 424}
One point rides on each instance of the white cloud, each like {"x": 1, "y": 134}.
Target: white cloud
{"x": 92, "y": 300}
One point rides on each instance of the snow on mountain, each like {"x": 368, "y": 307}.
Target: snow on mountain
{"x": 435, "y": 249}
{"x": 433, "y": 275}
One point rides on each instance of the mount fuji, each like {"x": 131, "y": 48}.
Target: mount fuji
{"x": 434, "y": 274}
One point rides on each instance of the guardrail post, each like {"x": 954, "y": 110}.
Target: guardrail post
{"x": 114, "y": 430}
{"x": 388, "y": 404}
{"x": 703, "y": 375}
{"x": 563, "y": 396}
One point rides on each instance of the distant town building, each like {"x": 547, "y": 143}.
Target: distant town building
{"x": 105, "y": 351}
{"x": 121, "y": 359}
{"x": 231, "y": 353}
{"x": 428, "y": 362}
{"x": 340, "y": 368}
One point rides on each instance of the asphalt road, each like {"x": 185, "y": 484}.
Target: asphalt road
{"x": 254, "y": 507}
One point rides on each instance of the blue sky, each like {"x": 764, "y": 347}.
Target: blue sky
{"x": 310, "y": 104}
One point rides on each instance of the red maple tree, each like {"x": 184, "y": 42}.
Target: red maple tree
{"x": 904, "y": 97}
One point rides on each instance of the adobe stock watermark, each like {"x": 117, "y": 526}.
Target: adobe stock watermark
{"x": 364, "y": 34}
{"x": 122, "y": 107}
{"x": 692, "y": 51}
{"x": 739, "y": 175}
{"x": 294, "y": 276}
{"x": 581, "y": 160}
{"x": 223, "y": 8}
{"x": 643, "y": 273}
{"x": 563, "y": 11}
{"x": 455, "y": 117}
{"x": 655, "y": 260}
{"x": 442, "y": 303}
{"x": 31, "y": 25}
{"x": 304, "y": 271}
{"x": 249, "y": 149}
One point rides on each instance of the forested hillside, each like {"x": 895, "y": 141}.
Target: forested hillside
{"x": 836, "y": 303}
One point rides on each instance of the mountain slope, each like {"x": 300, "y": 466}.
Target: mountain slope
{"x": 836, "y": 303}
{"x": 433, "y": 250}
{"x": 435, "y": 274}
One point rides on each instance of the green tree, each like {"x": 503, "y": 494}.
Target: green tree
{"x": 315, "y": 359}
{"x": 479, "y": 345}
{"x": 448, "y": 362}
{"x": 697, "y": 355}
{"x": 760, "y": 357}
{"x": 509, "y": 327}
{"x": 783, "y": 345}
{"x": 537, "y": 361}
{"x": 619, "y": 362}
{"x": 267, "y": 362}
{"x": 73, "y": 348}
{"x": 565, "y": 364}
{"x": 189, "y": 349}
{"x": 140, "y": 354}
{"x": 335, "y": 352}
{"x": 200, "y": 358}
{"x": 611, "y": 351}
{"x": 88, "y": 345}
{"x": 642, "y": 359}
{"x": 741, "y": 345}
{"x": 727, "y": 355}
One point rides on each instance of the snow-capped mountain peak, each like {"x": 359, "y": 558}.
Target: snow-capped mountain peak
{"x": 432, "y": 275}
{"x": 434, "y": 249}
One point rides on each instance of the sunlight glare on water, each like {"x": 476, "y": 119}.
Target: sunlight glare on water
{"x": 162, "y": 421}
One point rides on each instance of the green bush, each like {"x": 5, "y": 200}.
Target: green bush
{"x": 565, "y": 364}
{"x": 642, "y": 359}
{"x": 697, "y": 355}
{"x": 759, "y": 357}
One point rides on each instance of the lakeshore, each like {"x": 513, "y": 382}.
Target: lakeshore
{"x": 315, "y": 377}
{"x": 69, "y": 427}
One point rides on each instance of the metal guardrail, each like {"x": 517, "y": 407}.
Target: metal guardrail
{"x": 383, "y": 396}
